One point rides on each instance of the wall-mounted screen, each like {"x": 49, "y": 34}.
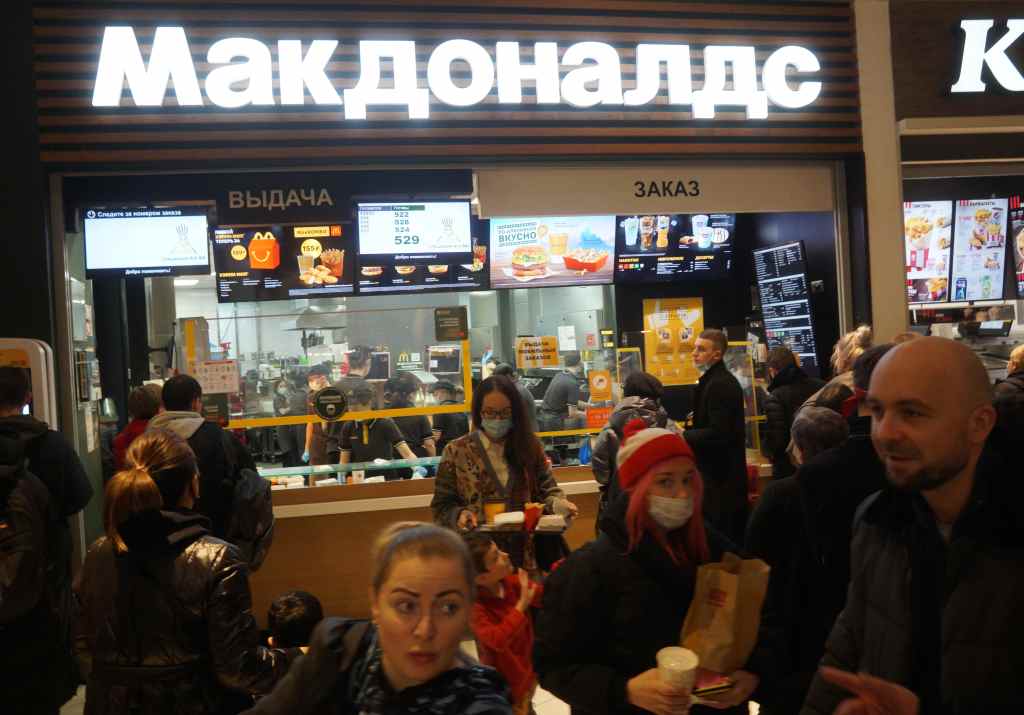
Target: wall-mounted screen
{"x": 256, "y": 263}
{"x": 668, "y": 248}
{"x": 418, "y": 246}
{"x": 979, "y": 249}
{"x": 1017, "y": 245}
{"x": 785, "y": 301}
{"x": 172, "y": 241}
{"x": 928, "y": 241}
{"x": 552, "y": 251}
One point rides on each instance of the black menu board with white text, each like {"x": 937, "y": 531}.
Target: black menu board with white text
{"x": 667, "y": 248}
{"x": 785, "y": 301}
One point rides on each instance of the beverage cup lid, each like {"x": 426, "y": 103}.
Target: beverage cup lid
{"x": 678, "y": 658}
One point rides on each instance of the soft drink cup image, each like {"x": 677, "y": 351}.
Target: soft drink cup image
{"x": 632, "y": 226}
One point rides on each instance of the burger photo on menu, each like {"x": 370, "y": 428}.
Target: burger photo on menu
{"x": 279, "y": 262}
{"x": 552, "y": 250}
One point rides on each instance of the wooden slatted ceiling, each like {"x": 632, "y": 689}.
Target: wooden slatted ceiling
{"x": 68, "y": 35}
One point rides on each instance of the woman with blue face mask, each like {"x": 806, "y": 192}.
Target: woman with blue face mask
{"x": 500, "y": 460}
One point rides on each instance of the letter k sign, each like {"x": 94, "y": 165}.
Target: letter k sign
{"x": 976, "y": 56}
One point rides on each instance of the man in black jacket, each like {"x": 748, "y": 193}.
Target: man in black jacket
{"x": 802, "y": 528}
{"x": 40, "y": 666}
{"x": 718, "y": 437}
{"x": 1013, "y": 385}
{"x": 219, "y": 453}
{"x": 789, "y": 389}
{"x": 937, "y": 566}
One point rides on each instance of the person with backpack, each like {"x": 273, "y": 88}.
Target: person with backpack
{"x": 40, "y": 672}
{"x": 642, "y": 393}
{"x": 166, "y": 624}
{"x": 233, "y": 496}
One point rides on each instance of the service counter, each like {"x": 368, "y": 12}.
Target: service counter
{"x": 324, "y": 534}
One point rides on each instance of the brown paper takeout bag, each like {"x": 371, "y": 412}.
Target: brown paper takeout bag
{"x": 725, "y": 614}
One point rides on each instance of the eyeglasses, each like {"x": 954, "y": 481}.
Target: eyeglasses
{"x": 496, "y": 414}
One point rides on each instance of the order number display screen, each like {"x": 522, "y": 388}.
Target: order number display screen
{"x": 432, "y": 229}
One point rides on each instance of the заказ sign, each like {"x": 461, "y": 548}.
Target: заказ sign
{"x": 244, "y": 75}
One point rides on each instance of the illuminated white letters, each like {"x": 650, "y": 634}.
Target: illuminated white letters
{"x": 257, "y": 72}
{"x": 976, "y": 57}
{"x": 744, "y": 92}
{"x": 589, "y": 74}
{"x": 773, "y": 77}
{"x": 606, "y": 73}
{"x": 309, "y": 71}
{"x": 481, "y": 70}
{"x": 121, "y": 59}
{"x": 368, "y": 89}
{"x": 512, "y": 72}
{"x": 648, "y": 74}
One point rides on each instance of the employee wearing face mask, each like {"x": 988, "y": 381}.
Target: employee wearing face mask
{"x": 501, "y": 459}
{"x": 718, "y": 437}
{"x": 617, "y": 601}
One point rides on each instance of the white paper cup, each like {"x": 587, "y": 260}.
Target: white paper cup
{"x": 678, "y": 667}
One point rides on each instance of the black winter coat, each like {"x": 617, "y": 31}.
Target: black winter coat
{"x": 718, "y": 438}
{"x": 786, "y": 395}
{"x": 167, "y": 628}
{"x": 607, "y": 613}
{"x": 944, "y": 620}
{"x": 802, "y": 528}
{"x": 43, "y": 668}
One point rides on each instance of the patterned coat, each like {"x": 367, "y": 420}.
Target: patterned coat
{"x": 466, "y": 480}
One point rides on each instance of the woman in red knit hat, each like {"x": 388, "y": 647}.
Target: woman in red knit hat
{"x": 620, "y": 599}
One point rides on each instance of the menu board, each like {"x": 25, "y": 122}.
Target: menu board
{"x": 166, "y": 241}
{"x": 671, "y": 327}
{"x": 979, "y": 249}
{"x": 928, "y": 239}
{"x": 1017, "y": 232}
{"x": 552, "y": 251}
{"x": 666, "y": 248}
{"x": 255, "y": 263}
{"x": 419, "y": 246}
{"x": 785, "y": 301}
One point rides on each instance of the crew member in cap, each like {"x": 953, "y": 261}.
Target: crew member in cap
{"x": 620, "y": 599}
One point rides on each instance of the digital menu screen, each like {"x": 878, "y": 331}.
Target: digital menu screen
{"x": 256, "y": 263}
{"x": 928, "y": 240}
{"x": 785, "y": 301}
{"x": 552, "y": 251}
{"x": 151, "y": 241}
{"x": 419, "y": 246}
{"x": 1017, "y": 246}
{"x": 979, "y": 249}
{"x": 667, "y": 248}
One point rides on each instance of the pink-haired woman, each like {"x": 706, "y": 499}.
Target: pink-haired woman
{"x": 620, "y": 599}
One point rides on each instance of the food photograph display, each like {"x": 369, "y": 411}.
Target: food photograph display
{"x": 551, "y": 251}
{"x": 979, "y": 249}
{"x": 928, "y": 240}
{"x": 657, "y": 248}
{"x": 282, "y": 262}
{"x": 419, "y": 246}
{"x": 1017, "y": 244}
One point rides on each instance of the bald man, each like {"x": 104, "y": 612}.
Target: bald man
{"x": 1014, "y": 382}
{"x": 937, "y": 564}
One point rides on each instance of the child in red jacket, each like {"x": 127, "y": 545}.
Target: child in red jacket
{"x": 501, "y": 622}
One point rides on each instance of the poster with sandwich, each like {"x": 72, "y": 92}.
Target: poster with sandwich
{"x": 1017, "y": 241}
{"x": 979, "y": 249}
{"x": 671, "y": 327}
{"x": 552, "y": 251}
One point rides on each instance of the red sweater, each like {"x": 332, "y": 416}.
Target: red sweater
{"x": 125, "y": 438}
{"x": 504, "y": 635}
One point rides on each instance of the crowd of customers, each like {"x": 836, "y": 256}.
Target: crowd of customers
{"x": 894, "y": 530}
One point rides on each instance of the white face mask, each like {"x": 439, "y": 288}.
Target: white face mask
{"x": 670, "y": 513}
